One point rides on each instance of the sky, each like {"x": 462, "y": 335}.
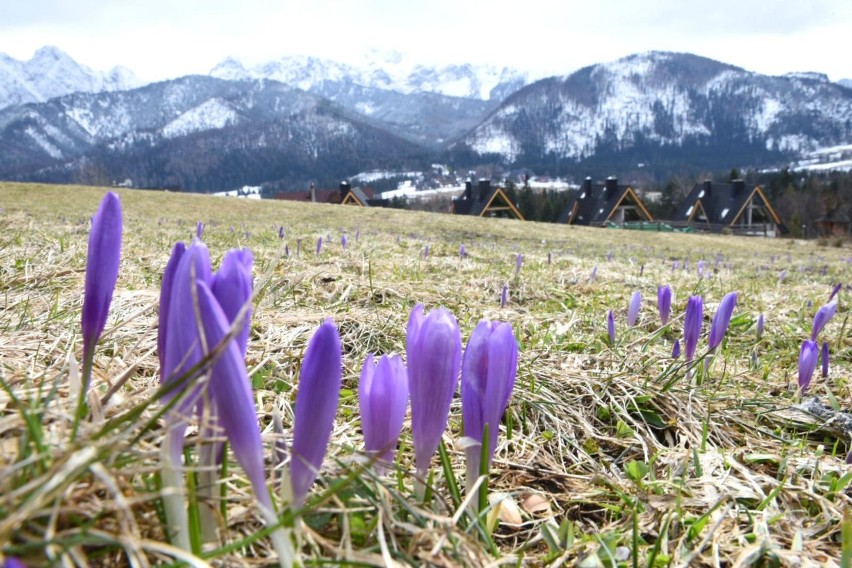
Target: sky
{"x": 159, "y": 39}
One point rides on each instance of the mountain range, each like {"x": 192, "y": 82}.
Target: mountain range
{"x": 295, "y": 120}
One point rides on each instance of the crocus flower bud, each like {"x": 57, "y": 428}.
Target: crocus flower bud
{"x": 824, "y": 359}
{"x": 721, "y": 320}
{"x": 594, "y": 273}
{"x": 664, "y": 303}
{"x": 280, "y": 232}
{"x": 488, "y": 377}
{"x": 760, "y": 323}
{"x": 808, "y": 356}
{"x": 230, "y": 391}
{"x": 199, "y": 229}
{"x": 504, "y": 296}
{"x": 822, "y": 317}
{"x": 316, "y": 405}
{"x": 610, "y": 327}
{"x": 835, "y": 291}
{"x": 676, "y": 349}
{"x": 692, "y": 325}
{"x": 433, "y": 347}
{"x": 519, "y": 262}
{"x": 633, "y": 309}
{"x": 102, "y": 262}
{"x": 462, "y": 251}
{"x": 383, "y": 398}
{"x": 426, "y": 251}
{"x": 232, "y": 287}
{"x": 166, "y": 296}
{"x": 319, "y": 246}
{"x": 344, "y": 242}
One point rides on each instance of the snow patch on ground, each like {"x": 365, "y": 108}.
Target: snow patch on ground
{"x": 247, "y": 192}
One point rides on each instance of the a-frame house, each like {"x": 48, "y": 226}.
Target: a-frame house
{"x": 713, "y": 206}
{"x": 485, "y": 201}
{"x": 601, "y": 204}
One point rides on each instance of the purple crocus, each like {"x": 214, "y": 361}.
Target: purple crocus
{"x": 281, "y": 232}
{"x": 504, "y": 296}
{"x": 822, "y": 317}
{"x": 319, "y": 246}
{"x": 519, "y": 262}
{"x": 344, "y": 242}
{"x": 824, "y": 359}
{"x": 835, "y": 291}
{"x": 610, "y": 327}
{"x": 102, "y": 262}
{"x": 760, "y": 324}
{"x": 692, "y": 325}
{"x": 808, "y": 356}
{"x": 676, "y": 349}
{"x": 230, "y": 391}
{"x": 383, "y": 399}
{"x": 165, "y": 297}
{"x": 664, "y": 303}
{"x": 488, "y": 376}
{"x": 462, "y": 251}
{"x": 426, "y": 251}
{"x": 721, "y": 320}
{"x": 12, "y": 562}
{"x": 433, "y": 347}
{"x": 199, "y": 229}
{"x": 633, "y": 309}
{"x": 316, "y": 405}
{"x": 232, "y": 286}
{"x": 594, "y": 273}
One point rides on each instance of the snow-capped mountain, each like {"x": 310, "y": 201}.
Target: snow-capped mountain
{"x": 666, "y": 107}
{"x": 388, "y": 72}
{"x": 52, "y": 73}
{"x": 195, "y": 132}
{"x": 846, "y": 83}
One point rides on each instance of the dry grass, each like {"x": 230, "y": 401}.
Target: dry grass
{"x": 612, "y": 455}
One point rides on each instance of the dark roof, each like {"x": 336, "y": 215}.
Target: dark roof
{"x": 363, "y": 194}
{"x": 478, "y": 201}
{"x": 721, "y": 203}
{"x": 836, "y": 215}
{"x": 595, "y": 203}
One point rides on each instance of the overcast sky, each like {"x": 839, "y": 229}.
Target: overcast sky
{"x": 166, "y": 38}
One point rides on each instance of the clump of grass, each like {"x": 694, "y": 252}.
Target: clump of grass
{"x": 608, "y": 454}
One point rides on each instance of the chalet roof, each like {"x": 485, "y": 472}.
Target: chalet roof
{"x": 362, "y": 194}
{"x": 484, "y": 199}
{"x": 836, "y": 215}
{"x": 596, "y": 203}
{"x": 721, "y": 203}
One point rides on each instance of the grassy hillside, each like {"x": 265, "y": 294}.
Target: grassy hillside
{"x": 609, "y": 454}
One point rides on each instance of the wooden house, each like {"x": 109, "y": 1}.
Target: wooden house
{"x": 344, "y": 195}
{"x": 835, "y": 223}
{"x": 731, "y": 206}
{"x": 485, "y": 201}
{"x": 601, "y": 204}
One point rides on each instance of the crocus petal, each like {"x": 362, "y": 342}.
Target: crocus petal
{"x": 692, "y": 325}
{"x": 808, "y": 356}
{"x": 664, "y": 303}
{"x": 489, "y": 368}
{"x": 835, "y": 291}
{"x": 316, "y": 405}
{"x": 633, "y": 309}
{"x": 165, "y": 299}
{"x": 721, "y": 320}
{"x": 433, "y": 346}
{"x": 182, "y": 342}
{"x": 383, "y": 399}
{"x": 102, "y": 263}
{"x": 822, "y": 317}
{"x": 824, "y": 359}
{"x": 232, "y": 287}
{"x": 610, "y": 327}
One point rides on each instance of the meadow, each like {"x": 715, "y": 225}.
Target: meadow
{"x": 611, "y": 453}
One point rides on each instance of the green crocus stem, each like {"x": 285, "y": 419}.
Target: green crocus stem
{"x": 171, "y": 478}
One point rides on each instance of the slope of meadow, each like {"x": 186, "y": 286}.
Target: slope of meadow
{"x": 608, "y": 454}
